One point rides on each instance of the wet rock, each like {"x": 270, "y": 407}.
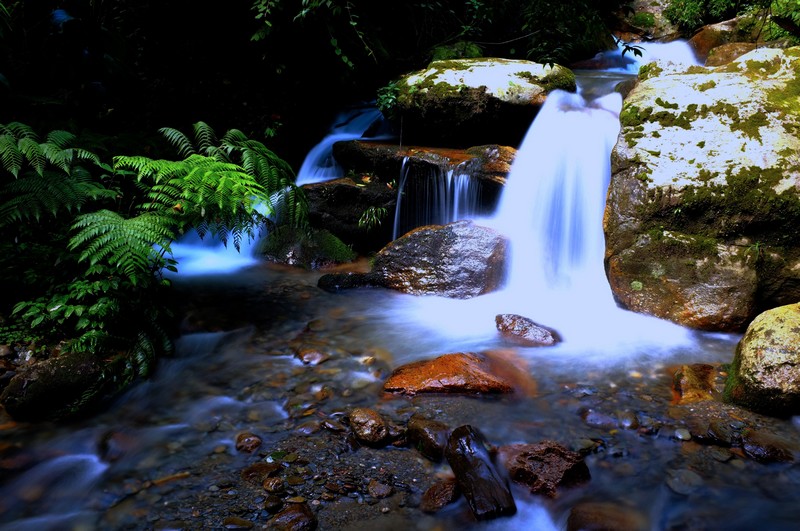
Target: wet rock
{"x": 695, "y": 383}
{"x": 295, "y": 517}
{"x": 247, "y": 442}
{"x": 604, "y": 516}
{"x": 683, "y": 481}
{"x": 524, "y": 331}
{"x": 765, "y": 374}
{"x": 438, "y": 495}
{"x": 379, "y": 490}
{"x": 478, "y": 480}
{"x": 428, "y": 436}
{"x": 312, "y": 356}
{"x": 273, "y": 485}
{"x": 234, "y": 522}
{"x": 544, "y": 467}
{"x": 693, "y": 231}
{"x": 768, "y": 448}
{"x": 57, "y": 387}
{"x": 714, "y": 35}
{"x": 461, "y": 102}
{"x": 598, "y": 419}
{"x": 451, "y": 373}
{"x": 458, "y": 260}
{"x": 725, "y": 53}
{"x": 258, "y": 472}
{"x": 368, "y": 426}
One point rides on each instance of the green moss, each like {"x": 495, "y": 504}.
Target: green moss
{"x": 643, "y": 20}
{"x": 750, "y": 126}
{"x": 698, "y": 70}
{"x": 309, "y": 249}
{"x": 702, "y": 87}
{"x": 764, "y": 68}
{"x": 701, "y": 144}
{"x": 458, "y": 50}
{"x": 556, "y": 78}
{"x": 665, "y": 104}
{"x": 650, "y": 70}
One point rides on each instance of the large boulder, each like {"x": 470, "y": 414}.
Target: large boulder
{"x": 464, "y": 102}
{"x": 703, "y": 205}
{"x": 459, "y": 260}
{"x": 765, "y": 374}
{"x": 740, "y": 29}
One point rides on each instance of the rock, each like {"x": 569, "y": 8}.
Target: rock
{"x": 257, "y": 473}
{"x": 463, "y": 102}
{"x": 768, "y": 448}
{"x": 544, "y": 467}
{"x": 337, "y": 205}
{"x": 247, "y": 442}
{"x": 724, "y": 54}
{"x": 478, "y": 480}
{"x": 428, "y": 436}
{"x": 715, "y": 35}
{"x": 524, "y": 331}
{"x": 312, "y": 249}
{"x": 311, "y": 355}
{"x": 438, "y": 495}
{"x": 368, "y": 426}
{"x": 451, "y": 373}
{"x": 59, "y": 387}
{"x": 379, "y": 490}
{"x": 703, "y": 202}
{"x": 458, "y": 260}
{"x": 765, "y": 373}
{"x": 295, "y": 517}
{"x": 683, "y": 481}
{"x": 605, "y": 516}
{"x": 695, "y": 383}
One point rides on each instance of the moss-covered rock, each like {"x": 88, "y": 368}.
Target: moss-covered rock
{"x": 765, "y": 374}
{"x": 463, "y": 102}
{"x": 703, "y": 205}
{"x": 311, "y": 249}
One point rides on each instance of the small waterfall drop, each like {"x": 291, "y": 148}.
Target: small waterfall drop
{"x": 434, "y": 195}
{"x": 319, "y": 164}
{"x": 627, "y": 61}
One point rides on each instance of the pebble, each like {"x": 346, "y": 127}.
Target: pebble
{"x": 682, "y": 434}
{"x": 247, "y": 442}
{"x": 683, "y": 481}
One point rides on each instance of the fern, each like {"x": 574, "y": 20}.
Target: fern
{"x": 133, "y": 247}
{"x": 32, "y": 197}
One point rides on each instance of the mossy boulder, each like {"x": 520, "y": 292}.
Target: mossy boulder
{"x": 466, "y": 102}
{"x": 311, "y": 249}
{"x": 703, "y": 205}
{"x": 765, "y": 374}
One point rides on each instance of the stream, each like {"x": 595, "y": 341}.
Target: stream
{"x": 171, "y": 454}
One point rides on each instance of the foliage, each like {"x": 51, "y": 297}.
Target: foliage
{"x": 691, "y": 14}
{"x": 85, "y": 244}
{"x": 309, "y": 248}
{"x": 372, "y": 217}
{"x": 643, "y": 20}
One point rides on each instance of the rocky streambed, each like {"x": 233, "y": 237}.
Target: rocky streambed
{"x": 274, "y": 413}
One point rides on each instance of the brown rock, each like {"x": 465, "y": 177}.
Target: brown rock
{"x": 524, "y": 331}
{"x": 368, "y": 426}
{"x": 543, "y": 467}
{"x": 428, "y": 436}
{"x": 312, "y": 356}
{"x": 376, "y": 489}
{"x": 724, "y": 54}
{"x": 295, "y": 517}
{"x": 451, "y": 373}
{"x": 247, "y": 442}
{"x": 258, "y": 472}
{"x": 438, "y": 495}
{"x": 768, "y": 448}
{"x": 695, "y": 383}
{"x": 602, "y": 516}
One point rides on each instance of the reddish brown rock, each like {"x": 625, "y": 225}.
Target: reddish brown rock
{"x": 295, "y": 517}
{"x": 247, "y": 442}
{"x": 258, "y": 472}
{"x": 428, "y": 436}
{"x": 524, "y": 331}
{"x": 543, "y": 467}
{"x": 376, "y": 489}
{"x": 368, "y": 426}
{"x": 768, "y": 448}
{"x": 463, "y": 372}
{"x": 439, "y": 494}
{"x": 695, "y": 383}
{"x": 724, "y": 54}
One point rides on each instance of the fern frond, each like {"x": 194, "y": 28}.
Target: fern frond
{"x": 180, "y": 141}
{"x": 19, "y": 131}
{"x": 32, "y": 196}
{"x": 58, "y": 157}
{"x": 34, "y": 153}
{"x": 205, "y": 138}
{"x": 59, "y": 138}
{"x": 132, "y": 246}
{"x": 10, "y": 155}
{"x": 233, "y": 136}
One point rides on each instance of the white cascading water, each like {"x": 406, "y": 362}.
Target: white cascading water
{"x": 319, "y": 164}
{"x": 439, "y": 196}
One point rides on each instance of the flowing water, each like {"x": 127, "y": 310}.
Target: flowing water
{"x": 164, "y": 455}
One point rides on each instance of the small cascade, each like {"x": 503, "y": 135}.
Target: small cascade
{"x": 210, "y": 255}
{"x": 620, "y": 60}
{"x": 434, "y": 195}
{"x": 319, "y": 164}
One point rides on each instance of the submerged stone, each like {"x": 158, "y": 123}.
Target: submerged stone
{"x": 525, "y": 331}
{"x": 544, "y": 467}
{"x": 486, "y": 492}
{"x": 451, "y": 373}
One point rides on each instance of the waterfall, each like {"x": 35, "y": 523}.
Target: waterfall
{"x": 319, "y": 164}
{"x": 434, "y": 195}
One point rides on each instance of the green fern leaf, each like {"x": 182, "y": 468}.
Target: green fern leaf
{"x": 10, "y": 155}
{"x": 19, "y": 131}
{"x": 34, "y": 153}
{"x": 180, "y": 141}
{"x": 206, "y": 138}
{"x": 61, "y": 139}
